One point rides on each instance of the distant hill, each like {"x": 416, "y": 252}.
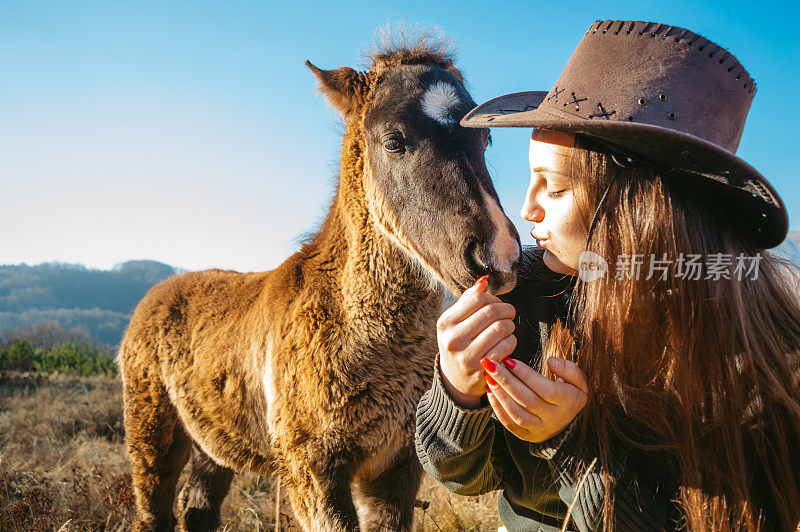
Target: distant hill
{"x": 97, "y": 301}
{"x": 791, "y": 246}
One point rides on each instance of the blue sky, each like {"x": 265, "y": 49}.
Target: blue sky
{"x": 190, "y": 132}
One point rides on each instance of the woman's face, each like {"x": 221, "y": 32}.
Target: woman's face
{"x": 550, "y": 202}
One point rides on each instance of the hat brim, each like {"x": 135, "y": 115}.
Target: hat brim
{"x": 692, "y": 158}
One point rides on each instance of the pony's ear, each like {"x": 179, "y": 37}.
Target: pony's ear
{"x": 344, "y": 87}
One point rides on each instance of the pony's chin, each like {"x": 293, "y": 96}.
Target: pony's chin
{"x": 502, "y": 282}
{"x": 458, "y": 286}
{"x": 499, "y": 283}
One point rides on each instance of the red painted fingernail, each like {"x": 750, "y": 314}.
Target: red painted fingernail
{"x": 489, "y": 379}
{"x": 509, "y": 362}
{"x": 488, "y": 390}
{"x": 488, "y": 365}
{"x": 481, "y": 279}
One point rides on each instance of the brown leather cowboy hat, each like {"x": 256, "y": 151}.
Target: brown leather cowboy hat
{"x": 661, "y": 95}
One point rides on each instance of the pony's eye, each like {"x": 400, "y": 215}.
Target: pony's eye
{"x": 393, "y": 145}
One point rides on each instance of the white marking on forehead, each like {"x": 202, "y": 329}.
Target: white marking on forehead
{"x": 438, "y": 102}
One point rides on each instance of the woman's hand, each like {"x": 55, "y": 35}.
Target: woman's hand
{"x": 531, "y": 406}
{"x": 478, "y": 325}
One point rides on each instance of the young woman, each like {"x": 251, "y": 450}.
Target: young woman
{"x": 645, "y": 372}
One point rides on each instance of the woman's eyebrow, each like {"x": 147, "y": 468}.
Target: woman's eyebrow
{"x": 547, "y": 170}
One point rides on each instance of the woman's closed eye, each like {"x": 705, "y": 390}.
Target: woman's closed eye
{"x": 556, "y": 193}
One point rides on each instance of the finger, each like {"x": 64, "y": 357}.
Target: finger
{"x": 549, "y": 391}
{"x": 471, "y": 300}
{"x": 518, "y": 390}
{"x": 519, "y": 415}
{"x": 503, "y": 349}
{"x": 504, "y": 418}
{"x": 489, "y": 338}
{"x": 484, "y": 316}
{"x": 570, "y": 372}
{"x": 468, "y": 330}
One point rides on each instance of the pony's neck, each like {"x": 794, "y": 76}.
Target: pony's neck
{"x": 369, "y": 269}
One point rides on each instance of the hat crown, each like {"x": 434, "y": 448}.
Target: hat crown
{"x": 650, "y": 73}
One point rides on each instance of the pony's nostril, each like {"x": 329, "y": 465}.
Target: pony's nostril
{"x": 473, "y": 255}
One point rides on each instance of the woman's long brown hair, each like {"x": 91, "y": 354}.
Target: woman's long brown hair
{"x": 704, "y": 373}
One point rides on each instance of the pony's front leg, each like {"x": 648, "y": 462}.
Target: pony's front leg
{"x": 322, "y": 500}
{"x": 386, "y": 501}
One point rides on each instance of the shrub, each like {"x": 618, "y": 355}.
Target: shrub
{"x": 19, "y": 355}
{"x": 67, "y": 358}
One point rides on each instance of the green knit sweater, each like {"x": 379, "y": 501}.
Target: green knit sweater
{"x": 470, "y": 452}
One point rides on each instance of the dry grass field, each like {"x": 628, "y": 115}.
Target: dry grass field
{"x": 63, "y": 467}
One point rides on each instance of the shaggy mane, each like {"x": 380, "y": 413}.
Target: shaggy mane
{"x": 402, "y": 46}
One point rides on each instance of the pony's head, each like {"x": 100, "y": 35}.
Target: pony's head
{"x": 423, "y": 177}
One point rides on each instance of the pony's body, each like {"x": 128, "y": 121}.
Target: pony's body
{"x": 229, "y": 363}
{"x": 313, "y": 370}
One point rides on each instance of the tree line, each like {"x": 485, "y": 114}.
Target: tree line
{"x": 47, "y": 348}
{"x": 66, "y": 358}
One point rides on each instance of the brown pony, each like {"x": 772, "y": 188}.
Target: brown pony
{"x": 313, "y": 370}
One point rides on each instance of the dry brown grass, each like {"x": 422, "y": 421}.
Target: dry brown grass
{"x": 63, "y": 466}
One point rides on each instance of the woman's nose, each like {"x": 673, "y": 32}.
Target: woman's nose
{"x": 531, "y": 210}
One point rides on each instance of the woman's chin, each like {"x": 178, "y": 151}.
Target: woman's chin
{"x": 554, "y": 264}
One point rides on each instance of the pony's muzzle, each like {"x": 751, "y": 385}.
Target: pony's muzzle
{"x": 501, "y": 282}
{"x": 480, "y": 261}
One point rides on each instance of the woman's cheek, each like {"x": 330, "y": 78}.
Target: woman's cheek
{"x": 567, "y": 248}
{"x": 555, "y": 259}
{"x": 575, "y": 236}
{"x": 571, "y": 252}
